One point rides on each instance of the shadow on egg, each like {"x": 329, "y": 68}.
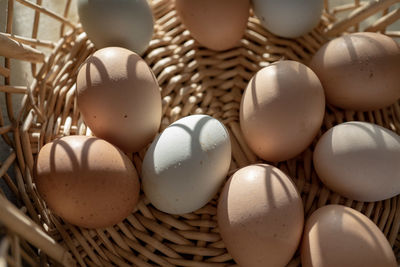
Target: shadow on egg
{"x": 285, "y": 75}
{"x": 119, "y": 98}
{"x": 80, "y": 162}
{"x": 194, "y": 136}
{"x": 339, "y": 236}
{"x": 76, "y": 171}
{"x": 269, "y": 176}
{"x": 260, "y": 216}
{"x": 373, "y": 133}
{"x": 349, "y": 41}
{"x": 358, "y": 71}
{"x": 282, "y": 110}
{"x": 96, "y": 62}
{"x": 186, "y": 164}
{"x": 86, "y": 181}
{"x": 359, "y": 160}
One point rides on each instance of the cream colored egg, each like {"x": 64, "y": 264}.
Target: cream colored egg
{"x": 359, "y": 160}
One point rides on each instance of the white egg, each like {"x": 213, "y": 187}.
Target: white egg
{"x": 288, "y": 18}
{"x": 359, "y": 160}
{"x": 186, "y": 164}
{"x": 122, "y": 23}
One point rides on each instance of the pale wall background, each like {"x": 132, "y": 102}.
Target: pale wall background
{"x": 21, "y": 71}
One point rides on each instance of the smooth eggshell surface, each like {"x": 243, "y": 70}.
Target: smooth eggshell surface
{"x": 359, "y": 71}
{"x": 260, "y": 216}
{"x": 87, "y": 181}
{"x": 127, "y": 24}
{"x": 282, "y": 110}
{"x": 359, "y": 160}
{"x": 119, "y": 98}
{"x": 216, "y": 24}
{"x": 336, "y": 235}
{"x": 288, "y": 18}
{"x": 185, "y": 165}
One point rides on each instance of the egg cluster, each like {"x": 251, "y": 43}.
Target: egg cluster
{"x": 92, "y": 182}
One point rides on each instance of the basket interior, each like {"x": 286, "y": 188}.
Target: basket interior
{"x": 193, "y": 80}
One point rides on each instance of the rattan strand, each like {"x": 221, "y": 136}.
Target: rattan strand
{"x": 192, "y": 80}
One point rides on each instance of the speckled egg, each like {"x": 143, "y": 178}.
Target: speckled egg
{"x": 86, "y": 181}
{"x": 119, "y": 98}
{"x": 359, "y": 71}
{"x": 260, "y": 216}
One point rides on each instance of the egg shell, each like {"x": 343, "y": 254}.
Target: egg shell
{"x": 119, "y": 98}
{"x": 218, "y": 25}
{"x": 185, "y": 165}
{"x": 289, "y": 18}
{"x": 359, "y": 71}
{"x": 282, "y": 110}
{"x": 336, "y": 235}
{"x": 359, "y": 160}
{"x": 86, "y": 181}
{"x": 260, "y": 216}
{"x": 123, "y": 23}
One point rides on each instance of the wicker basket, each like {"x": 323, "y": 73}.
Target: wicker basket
{"x": 192, "y": 80}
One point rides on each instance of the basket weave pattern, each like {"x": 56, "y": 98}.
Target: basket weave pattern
{"x": 193, "y": 80}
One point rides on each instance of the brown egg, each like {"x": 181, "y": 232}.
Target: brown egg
{"x": 282, "y": 110}
{"x": 260, "y": 216}
{"x": 359, "y": 71}
{"x": 216, "y": 24}
{"x": 336, "y": 235}
{"x": 87, "y": 181}
{"x": 119, "y": 98}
